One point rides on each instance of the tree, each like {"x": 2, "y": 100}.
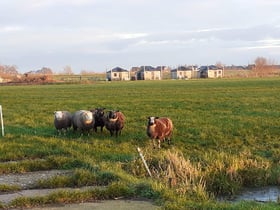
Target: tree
{"x": 7, "y": 69}
{"x": 46, "y": 70}
{"x": 260, "y": 62}
{"x": 262, "y": 66}
{"x": 67, "y": 70}
{"x": 219, "y": 64}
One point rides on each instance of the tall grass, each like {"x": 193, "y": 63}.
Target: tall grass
{"x": 226, "y": 136}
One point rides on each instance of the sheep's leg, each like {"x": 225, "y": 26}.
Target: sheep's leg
{"x": 58, "y": 132}
{"x": 64, "y": 131}
{"x": 159, "y": 143}
{"x": 118, "y": 133}
{"x": 169, "y": 140}
{"x": 154, "y": 144}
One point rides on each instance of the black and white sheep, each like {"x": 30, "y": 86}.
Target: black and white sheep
{"x": 83, "y": 120}
{"x": 99, "y": 118}
{"x": 62, "y": 121}
{"x": 115, "y": 122}
{"x": 159, "y": 128}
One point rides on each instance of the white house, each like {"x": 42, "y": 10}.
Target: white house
{"x": 117, "y": 74}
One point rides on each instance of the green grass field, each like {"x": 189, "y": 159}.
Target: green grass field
{"x": 226, "y": 136}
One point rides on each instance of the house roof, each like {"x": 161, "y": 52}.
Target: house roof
{"x": 118, "y": 69}
{"x": 183, "y": 68}
{"x": 148, "y": 68}
{"x": 211, "y": 67}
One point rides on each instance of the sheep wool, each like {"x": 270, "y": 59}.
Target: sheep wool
{"x": 99, "y": 118}
{"x": 160, "y": 129}
{"x": 115, "y": 122}
{"x": 83, "y": 120}
{"x": 62, "y": 120}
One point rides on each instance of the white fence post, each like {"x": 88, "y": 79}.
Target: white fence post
{"x": 144, "y": 161}
{"x": 2, "y": 123}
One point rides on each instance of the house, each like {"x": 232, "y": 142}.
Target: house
{"x": 117, "y": 74}
{"x": 184, "y": 72}
{"x": 133, "y": 73}
{"x": 211, "y": 71}
{"x": 149, "y": 73}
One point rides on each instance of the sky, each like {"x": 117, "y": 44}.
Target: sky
{"x": 98, "y": 35}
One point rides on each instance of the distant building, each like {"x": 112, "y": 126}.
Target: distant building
{"x": 117, "y": 74}
{"x": 185, "y": 72}
{"x": 133, "y": 73}
{"x": 149, "y": 73}
{"x": 211, "y": 71}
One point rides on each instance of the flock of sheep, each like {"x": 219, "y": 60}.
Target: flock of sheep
{"x": 86, "y": 120}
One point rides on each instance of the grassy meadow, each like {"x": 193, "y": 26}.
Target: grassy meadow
{"x": 226, "y": 136}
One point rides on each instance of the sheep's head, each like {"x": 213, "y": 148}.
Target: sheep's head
{"x": 152, "y": 120}
{"x": 58, "y": 115}
{"x": 99, "y": 112}
{"x": 87, "y": 117}
{"x": 112, "y": 115}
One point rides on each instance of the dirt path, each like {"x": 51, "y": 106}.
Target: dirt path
{"x": 27, "y": 180}
{"x": 107, "y": 205}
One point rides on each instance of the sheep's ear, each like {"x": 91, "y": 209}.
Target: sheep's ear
{"x": 148, "y": 118}
{"x": 156, "y": 117}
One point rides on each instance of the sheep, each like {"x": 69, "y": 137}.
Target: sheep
{"x": 115, "y": 122}
{"x": 99, "y": 118}
{"x": 62, "y": 121}
{"x": 159, "y": 128}
{"x": 83, "y": 120}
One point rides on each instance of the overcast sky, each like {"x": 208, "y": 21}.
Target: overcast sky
{"x": 97, "y": 35}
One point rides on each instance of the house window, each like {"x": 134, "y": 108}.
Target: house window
{"x": 115, "y": 74}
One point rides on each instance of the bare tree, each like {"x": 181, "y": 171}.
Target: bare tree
{"x": 261, "y": 65}
{"x": 219, "y": 64}
{"x": 67, "y": 70}
{"x": 7, "y": 69}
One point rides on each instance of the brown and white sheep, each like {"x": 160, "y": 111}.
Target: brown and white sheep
{"x": 62, "y": 121}
{"x": 115, "y": 122}
{"x": 159, "y": 128}
{"x": 83, "y": 120}
{"x": 99, "y": 118}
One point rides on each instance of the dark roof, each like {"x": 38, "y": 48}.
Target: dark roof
{"x": 118, "y": 69}
{"x": 183, "y": 68}
{"x": 148, "y": 68}
{"x": 211, "y": 67}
